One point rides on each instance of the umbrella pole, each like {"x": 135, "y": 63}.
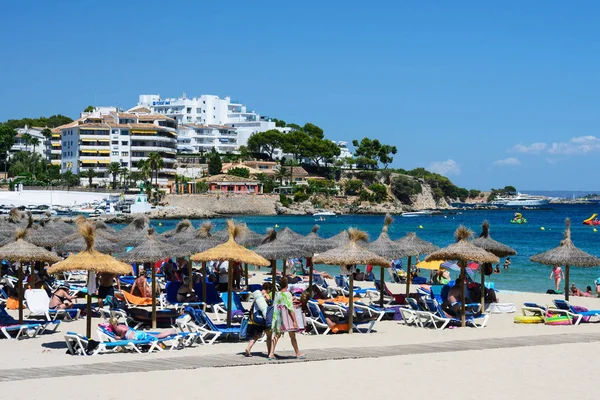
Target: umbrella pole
{"x": 229, "y": 292}
{"x": 88, "y": 311}
{"x": 246, "y": 273}
{"x": 273, "y": 276}
{"x": 153, "y": 296}
{"x": 310, "y": 276}
{"x": 463, "y": 320}
{"x": 381, "y": 291}
{"x": 190, "y": 280}
{"x": 20, "y": 291}
{"x": 284, "y": 268}
{"x": 566, "y": 282}
{"x": 204, "y": 277}
{"x": 408, "y": 277}
{"x": 351, "y": 305}
{"x": 482, "y": 285}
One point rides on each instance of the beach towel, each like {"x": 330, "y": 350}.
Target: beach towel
{"x": 339, "y": 299}
{"x": 138, "y": 301}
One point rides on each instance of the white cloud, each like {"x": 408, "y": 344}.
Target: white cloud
{"x": 577, "y": 145}
{"x": 532, "y": 148}
{"x": 448, "y": 167}
{"x": 510, "y": 161}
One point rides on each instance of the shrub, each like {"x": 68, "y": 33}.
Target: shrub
{"x": 473, "y": 193}
{"x": 366, "y": 196}
{"x": 353, "y": 186}
{"x": 367, "y": 177}
{"x": 201, "y": 187}
{"x": 404, "y": 187}
{"x": 379, "y": 192}
{"x": 284, "y": 200}
{"x": 239, "y": 171}
{"x": 299, "y": 197}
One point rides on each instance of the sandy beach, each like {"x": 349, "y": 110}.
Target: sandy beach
{"x": 49, "y": 351}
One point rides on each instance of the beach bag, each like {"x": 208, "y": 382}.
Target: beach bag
{"x": 269, "y": 317}
{"x": 287, "y": 323}
{"x": 488, "y": 269}
{"x": 256, "y": 317}
{"x": 244, "y": 328}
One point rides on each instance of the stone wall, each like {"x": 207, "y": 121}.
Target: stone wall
{"x": 225, "y": 204}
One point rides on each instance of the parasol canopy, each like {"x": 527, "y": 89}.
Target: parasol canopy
{"x": 184, "y": 229}
{"x": 463, "y": 250}
{"x": 351, "y": 253}
{"x": 151, "y": 250}
{"x": 566, "y": 253}
{"x": 134, "y": 233}
{"x": 415, "y": 246}
{"x": 230, "y": 250}
{"x": 485, "y": 242}
{"x": 201, "y": 241}
{"x": 313, "y": 243}
{"x": 273, "y": 248}
{"x": 429, "y": 265}
{"x": 287, "y": 235}
{"x": 342, "y": 239}
{"x": 386, "y": 247}
{"x": 90, "y": 259}
{"x": 23, "y": 251}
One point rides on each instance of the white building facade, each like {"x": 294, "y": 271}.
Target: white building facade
{"x": 21, "y": 144}
{"x": 209, "y": 111}
{"x": 105, "y": 136}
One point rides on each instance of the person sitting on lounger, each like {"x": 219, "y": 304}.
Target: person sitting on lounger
{"x": 452, "y": 303}
{"x": 140, "y": 286}
{"x": 185, "y": 294}
{"x": 61, "y": 299}
{"x": 122, "y": 331}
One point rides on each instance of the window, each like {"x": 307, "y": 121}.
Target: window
{"x": 114, "y": 142}
{"x": 125, "y": 142}
{"x": 198, "y": 110}
{"x": 115, "y": 131}
{"x": 124, "y": 164}
{"x": 114, "y": 153}
{"x": 214, "y": 108}
{"x": 125, "y": 153}
{"x": 188, "y": 110}
{"x": 124, "y": 132}
{"x": 203, "y": 102}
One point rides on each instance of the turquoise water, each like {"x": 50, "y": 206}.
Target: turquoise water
{"x": 528, "y": 239}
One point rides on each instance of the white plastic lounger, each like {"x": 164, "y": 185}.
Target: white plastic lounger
{"x": 38, "y": 304}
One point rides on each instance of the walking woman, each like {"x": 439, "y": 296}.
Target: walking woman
{"x": 283, "y": 303}
{"x": 557, "y": 275}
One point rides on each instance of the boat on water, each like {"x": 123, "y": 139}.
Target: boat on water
{"x": 418, "y": 213}
{"x": 521, "y": 200}
{"x": 322, "y": 213}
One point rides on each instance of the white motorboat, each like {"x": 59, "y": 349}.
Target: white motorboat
{"x": 417, "y": 214}
{"x": 521, "y": 200}
{"x": 322, "y": 213}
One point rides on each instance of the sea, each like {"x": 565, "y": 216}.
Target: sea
{"x": 544, "y": 230}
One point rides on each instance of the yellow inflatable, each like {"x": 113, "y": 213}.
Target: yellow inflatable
{"x": 528, "y": 319}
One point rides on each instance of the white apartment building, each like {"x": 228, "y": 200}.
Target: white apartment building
{"x": 97, "y": 139}
{"x": 208, "y": 111}
{"x": 22, "y": 145}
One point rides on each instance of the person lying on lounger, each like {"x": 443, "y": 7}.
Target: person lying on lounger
{"x": 122, "y": 331}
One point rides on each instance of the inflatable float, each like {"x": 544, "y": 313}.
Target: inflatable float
{"x": 593, "y": 220}
{"x": 528, "y": 319}
{"x": 518, "y": 219}
{"x": 559, "y": 320}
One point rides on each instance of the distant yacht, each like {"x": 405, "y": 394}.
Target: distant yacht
{"x": 521, "y": 200}
{"x": 322, "y": 213}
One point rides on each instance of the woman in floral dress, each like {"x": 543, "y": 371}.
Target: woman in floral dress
{"x": 283, "y": 302}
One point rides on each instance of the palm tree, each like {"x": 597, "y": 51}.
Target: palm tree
{"x": 281, "y": 174}
{"x": 90, "y": 174}
{"x": 156, "y": 164}
{"x": 123, "y": 175}
{"x": 144, "y": 168}
{"x": 26, "y": 138}
{"x": 114, "y": 168}
{"x": 34, "y": 142}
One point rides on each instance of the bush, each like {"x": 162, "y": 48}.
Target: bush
{"x": 404, "y": 187}
{"x": 366, "y": 196}
{"x": 386, "y": 176}
{"x": 367, "y": 177}
{"x": 299, "y": 197}
{"x": 379, "y": 192}
{"x": 437, "y": 193}
{"x": 239, "y": 171}
{"x": 321, "y": 186}
{"x": 474, "y": 193}
{"x": 201, "y": 187}
{"x": 352, "y": 187}
{"x": 284, "y": 200}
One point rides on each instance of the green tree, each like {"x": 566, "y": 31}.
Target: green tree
{"x": 47, "y": 133}
{"x": 70, "y": 179}
{"x": 215, "y": 164}
{"x": 89, "y": 109}
{"x": 266, "y": 142}
{"x": 279, "y": 123}
{"x": 379, "y": 192}
{"x": 313, "y": 131}
{"x": 123, "y": 175}
{"x": 156, "y": 164}
{"x": 26, "y": 164}
{"x": 267, "y": 182}
{"x": 7, "y": 139}
{"x": 113, "y": 169}
{"x": 26, "y": 139}
{"x": 370, "y": 152}
{"x": 244, "y": 153}
{"x": 34, "y": 142}
{"x": 239, "y": 171}
{"x": 473, "y": 193}
{"x": 144, "y": 169}
{"x": 404, "y": 187}
{"x": 282, "y": 173}
{"x": 384, "y": 154}
{"x": 353, "y": 186}
{"x": 90, "y": 174}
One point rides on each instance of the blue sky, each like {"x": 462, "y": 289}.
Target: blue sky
{"x": 489, "y": 93}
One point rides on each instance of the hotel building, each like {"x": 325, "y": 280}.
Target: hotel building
{"x": 97, "y": 139}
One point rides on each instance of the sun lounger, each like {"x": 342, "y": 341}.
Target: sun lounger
{"x": 360, "y": 316}
{"x": 78, "y": 344}
{"x": 201, "y": 320}
{"x": 316, "y": 319}
{"x": 534, "y": 309}
{"x": 213, "y": 299}
{"x": 171, "y": 342}
{"x": 563, "y": 307}
{"x": 412, "y": 313}
{"x": 135, "y": 301}
{"x": 171, "y": 290}
{"x": 398, "y": 298}
{"x": 38, "y": 304}
{"x": 438, "y": 316}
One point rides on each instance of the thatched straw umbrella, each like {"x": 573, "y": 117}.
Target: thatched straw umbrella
{"x": 314, "y": 244}
{"x": 106, "y": 231}
{"x": 22, "y": 251}
{"x": 463, "y": 251}
{"x": 232, "y": 252}
{"x": 151, "y": 251}
{"x": 342, "y": 239}
{"x": 184, "y": 228}
{"x": 14, "y": 221}
{"x": 386, "y": 248}
{"x": 250, "y": 238}
{"x": 90, "y": 260}
{"x": 75, "y": 243}
{"x": 415, "y": 247}
{"x": 274, "y": 249}
{"x": 350, "y": 255}
{"x": 485, "y": 242}
{"x": 288, "y": 235}
{"x": 568, "y": 255}
{"x": 134, "y": 233}
{"x": 23, "y": 224}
